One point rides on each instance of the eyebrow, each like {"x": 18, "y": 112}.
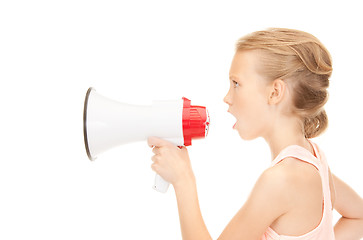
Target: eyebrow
{"x": 233, "y": 76}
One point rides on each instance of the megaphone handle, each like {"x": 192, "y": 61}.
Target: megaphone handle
{"x": 160, "y": 184}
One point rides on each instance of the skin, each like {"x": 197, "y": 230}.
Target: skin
{"x": 261, "y": 109}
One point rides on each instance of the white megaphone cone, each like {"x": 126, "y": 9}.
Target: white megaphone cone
{"x": 108, "y": 123}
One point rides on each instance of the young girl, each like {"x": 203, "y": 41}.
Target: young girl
{"x": 278, "y": 82}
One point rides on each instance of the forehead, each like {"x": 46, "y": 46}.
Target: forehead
{"x": 244, "y": 62}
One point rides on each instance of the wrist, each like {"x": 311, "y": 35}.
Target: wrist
{"x": 186, "y": 182}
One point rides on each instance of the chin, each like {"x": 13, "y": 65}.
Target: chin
{"x": 246, "y": 136}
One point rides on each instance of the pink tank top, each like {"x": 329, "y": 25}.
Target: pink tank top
{"x": 325, "y": 230}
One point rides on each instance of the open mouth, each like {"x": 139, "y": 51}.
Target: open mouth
{"x": 234, "y": 126}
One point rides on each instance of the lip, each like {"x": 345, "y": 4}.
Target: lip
{"x": 231, "y": 113}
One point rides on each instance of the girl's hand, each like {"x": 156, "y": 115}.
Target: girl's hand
{"x": 170, "y": 162}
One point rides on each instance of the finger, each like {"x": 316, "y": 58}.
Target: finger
{"x": 157, "y": 150}
{"x": 150, "y": 142}
{"x": 155, "y": 159}
{"x": 155, "y": 167}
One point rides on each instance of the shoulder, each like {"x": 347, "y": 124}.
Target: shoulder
{"x": 269, "y": 198}
{"x": 275, "y": 185}
{"x": 280, "y": 188}
{"x": 274, "y": 195}
{"x": 283, "y": 175}
{"x": 276, "y": 181}
{"x": 264, "y": 205}
{"x": 294, "y": 179}
{"x": 289, "y": 178}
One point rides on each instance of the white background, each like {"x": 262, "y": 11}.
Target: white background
{"x": 136, "y": 52}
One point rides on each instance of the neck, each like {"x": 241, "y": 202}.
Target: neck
{"x": 284, "y": 133}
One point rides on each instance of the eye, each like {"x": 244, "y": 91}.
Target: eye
{"x": 235, "y": 84}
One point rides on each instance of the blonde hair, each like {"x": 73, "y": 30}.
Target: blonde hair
{"x": 302, "y": 61}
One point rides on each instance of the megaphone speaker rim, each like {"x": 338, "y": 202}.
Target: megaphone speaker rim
{"x": 85, "y": 124}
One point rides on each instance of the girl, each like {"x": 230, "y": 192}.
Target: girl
{"x": 278, "y": 82}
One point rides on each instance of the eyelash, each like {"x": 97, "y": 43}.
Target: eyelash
{"x": 235, "y": 83}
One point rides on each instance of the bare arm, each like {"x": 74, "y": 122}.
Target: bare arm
{"x": 191, "y": 221}
{"x": 173, "y": 164}
{"x": 350, "y": 205}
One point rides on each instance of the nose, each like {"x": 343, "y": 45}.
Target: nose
{"x": 227, "y": 99}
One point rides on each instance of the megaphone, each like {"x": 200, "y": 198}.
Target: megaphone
{"x": 108, "y": 123}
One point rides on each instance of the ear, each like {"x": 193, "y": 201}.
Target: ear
{"x": 277, "y": 91}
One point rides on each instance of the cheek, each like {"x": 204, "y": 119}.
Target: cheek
{"x": 252, "y": 111}
{"x": 249, "y": 104}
